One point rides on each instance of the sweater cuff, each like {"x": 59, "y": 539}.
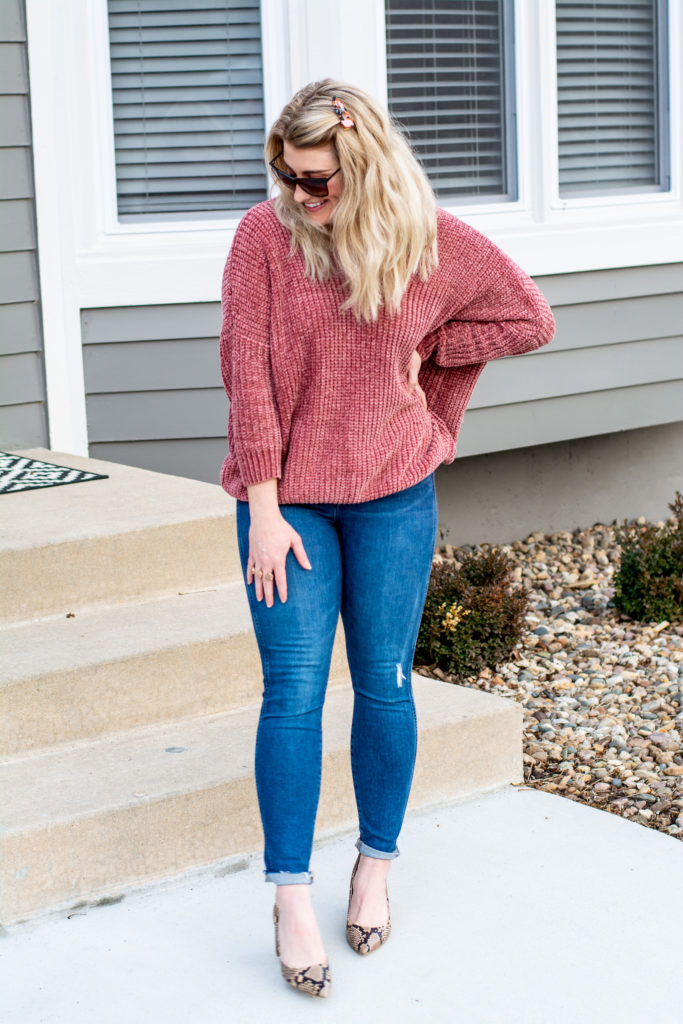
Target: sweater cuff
{"x": 257, "y": 466}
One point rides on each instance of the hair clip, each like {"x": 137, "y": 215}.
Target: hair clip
{"x": 345, "y": 119}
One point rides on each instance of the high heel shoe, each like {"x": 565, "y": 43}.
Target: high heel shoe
{"x": 314, "y": 980}
{"x": 360, "y": 938}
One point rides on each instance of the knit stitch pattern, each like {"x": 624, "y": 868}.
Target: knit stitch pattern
{"x": 320, "y": 400}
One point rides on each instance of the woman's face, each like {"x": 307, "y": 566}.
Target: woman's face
{"x": 315, "y": 162}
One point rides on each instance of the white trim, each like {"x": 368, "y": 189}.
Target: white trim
{"x": 676, "y": 95}
{"x": 342, "y": 40}
{"x": 546, "y": 61}
{"x": 299, "y": 49}
{"x": 153, "y": 276}
{"x": 363, "y": 45}
{"x": 528, "y": 79}
{"x": 381, "y": 52}
{"x": 55, "y": 199}
{"x": 275, "y": 36}
{"x": 101, "y": 120}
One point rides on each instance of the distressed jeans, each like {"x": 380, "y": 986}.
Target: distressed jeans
{"x": 371, "y": 561}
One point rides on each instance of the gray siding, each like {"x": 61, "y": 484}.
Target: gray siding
{"x": 616, "y": 363}
{"x": 23, "y": 418}
{"x": 155, "y": 397}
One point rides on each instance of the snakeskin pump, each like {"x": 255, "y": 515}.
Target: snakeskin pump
{"x": 360, "y": 938}
{"x": 312, "y": 981}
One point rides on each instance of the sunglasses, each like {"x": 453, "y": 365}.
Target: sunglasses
{"x": 312, "y": 186}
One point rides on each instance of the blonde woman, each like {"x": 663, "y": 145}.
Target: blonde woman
{"x": 356, "y": 320}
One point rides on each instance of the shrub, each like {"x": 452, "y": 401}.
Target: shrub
{"x": 473, "y": 618}
{"x": 648, "y": 584}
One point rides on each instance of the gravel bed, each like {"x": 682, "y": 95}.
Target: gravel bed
{"x": 602, "y": 694}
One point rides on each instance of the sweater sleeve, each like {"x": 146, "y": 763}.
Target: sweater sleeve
{"x": 254, "y": 422}
{"x": 501, "y": 313}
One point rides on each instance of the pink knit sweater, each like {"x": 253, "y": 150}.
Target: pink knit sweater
{"x": 321, "y": 401}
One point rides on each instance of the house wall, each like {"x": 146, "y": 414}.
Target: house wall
{"x": 507, "y": 495}
{"x": 23, "y": 419}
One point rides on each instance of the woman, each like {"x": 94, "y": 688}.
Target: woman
{"x": 333, "y": 296}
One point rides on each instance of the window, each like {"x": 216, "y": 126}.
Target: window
{"x": 187, "y": 83}
{"x": 612, "y": 96}
{"x": 450, "y": 80}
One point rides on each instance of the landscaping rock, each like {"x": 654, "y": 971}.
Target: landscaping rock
{"x": 602, "y": 700}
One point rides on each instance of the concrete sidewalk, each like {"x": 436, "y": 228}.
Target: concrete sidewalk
{"x": 517, "y": 907}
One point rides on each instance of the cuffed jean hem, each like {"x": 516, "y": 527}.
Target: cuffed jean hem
{"x": 289, "y": 877}
{"x": 368, "y": 851}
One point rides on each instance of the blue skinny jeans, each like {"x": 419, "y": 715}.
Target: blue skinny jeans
{"x": 371, "y": 561}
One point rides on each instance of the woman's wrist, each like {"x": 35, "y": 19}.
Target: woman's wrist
{"x": 263, "y": 498}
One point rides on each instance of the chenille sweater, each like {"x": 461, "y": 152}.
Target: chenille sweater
{"x": 321, "y": 400}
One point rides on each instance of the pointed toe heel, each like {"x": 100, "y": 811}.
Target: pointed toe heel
{"x": 315, "y": 980}
{"x": 363, "y": 939}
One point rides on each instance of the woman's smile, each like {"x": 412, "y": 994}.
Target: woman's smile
{"x": 315, "y": 205}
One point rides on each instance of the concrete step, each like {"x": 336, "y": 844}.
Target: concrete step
{"x": 136, "y": 534}
{"x": 108, "y": 669}
{"x": 82, "y": 824}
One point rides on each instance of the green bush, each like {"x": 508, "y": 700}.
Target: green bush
{"x": 648, "y": 585}
{"x": 473, "y": 617}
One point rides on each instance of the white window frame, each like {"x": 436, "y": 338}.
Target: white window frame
{"x": 88, "y": 258}
{"x": 629, "y": 199}
{"x": 551, "y": 234}
{"x": 484, "y": 204}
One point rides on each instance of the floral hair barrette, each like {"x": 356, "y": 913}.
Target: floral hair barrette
{"x": 345, "y": 119}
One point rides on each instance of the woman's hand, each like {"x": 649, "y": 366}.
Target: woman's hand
{"x": 413, "y": 370}
{"x": 270, "y": 538}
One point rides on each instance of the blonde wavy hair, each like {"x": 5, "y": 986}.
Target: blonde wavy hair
{"x": 384, "y": 226}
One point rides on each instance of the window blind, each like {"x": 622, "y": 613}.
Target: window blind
{"x": 187, "y": 86}
{"x": 450, "y": 84}
{"x": 611, "y": 89}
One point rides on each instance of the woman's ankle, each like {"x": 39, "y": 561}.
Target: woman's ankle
{"x": 374, "y": 866}
{"x": 300, "y": 939}
{"x": 297, "y": 894}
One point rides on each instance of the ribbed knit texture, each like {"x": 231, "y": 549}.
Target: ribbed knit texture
{"x": 321, "y": 400}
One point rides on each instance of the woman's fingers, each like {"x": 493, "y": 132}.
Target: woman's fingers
{"x": 277, "y": 559}
{"x": 268, "y": 591}
{"x": 300, "y": 552}
{"x": 413, "y": 382}
{"x": 265, "y": 587}
{"x": 281, "y": 581}
{"x": 262, "y": 585}
{"x": 414, "y": 367}
{"x": 415, "y": 387}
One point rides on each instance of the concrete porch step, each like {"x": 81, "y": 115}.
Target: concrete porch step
{"x": 134, "y": 535}
{"x": 125, "y": 666}
{"x": 82, "y": 824}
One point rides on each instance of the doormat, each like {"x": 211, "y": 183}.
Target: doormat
{"x": 17, "y": 473}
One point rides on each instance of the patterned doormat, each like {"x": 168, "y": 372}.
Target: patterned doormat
{"x": 17, "y": 473}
